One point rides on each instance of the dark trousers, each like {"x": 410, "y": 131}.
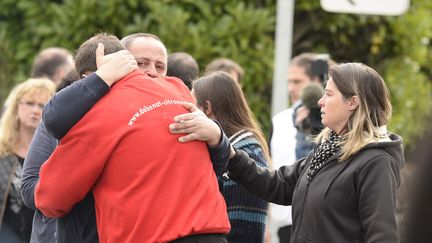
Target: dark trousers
{"x": 284, "y": 234}
{"x": 7, "y": 234}
{"x": 79, "y": 225}
{"x": 203, "y": 238}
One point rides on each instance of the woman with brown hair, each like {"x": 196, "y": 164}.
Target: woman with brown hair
{"x": 221, "y": 99}
{"x": 17, "y": 126}
{"x": 345, "y": 189}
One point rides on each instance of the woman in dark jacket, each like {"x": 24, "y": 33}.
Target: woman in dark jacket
{"x": 345, "y": 189}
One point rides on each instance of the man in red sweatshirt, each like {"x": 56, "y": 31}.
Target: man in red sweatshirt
{"x": 147, "y": 186}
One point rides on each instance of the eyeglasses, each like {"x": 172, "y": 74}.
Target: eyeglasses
{"x": 31, "y": 104}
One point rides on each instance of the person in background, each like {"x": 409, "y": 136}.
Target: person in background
{"x": 304, "y": 111}
{"x": 68, "y": 79}
{"x": 415, "y": 212}
{"x": 227, "y": 65}
{"x": 183, "y": 66}
{"x": 53, "y": 63}
{"x": 345, "y": 189}
{"x": 221, "y": 99}
{"x": 283, "y": 141}
{"x": 17, "y": 126}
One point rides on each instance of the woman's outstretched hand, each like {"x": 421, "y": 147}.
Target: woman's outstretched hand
{"x": 196, "y": 126}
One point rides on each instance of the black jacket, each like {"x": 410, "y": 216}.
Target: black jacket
{"x": 348, "y": 201}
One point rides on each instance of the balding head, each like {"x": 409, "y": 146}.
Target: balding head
{"x": 53, "y": 63}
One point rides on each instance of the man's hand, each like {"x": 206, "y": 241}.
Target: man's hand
{"x": 196, "y": 125}
{"x": 114, "y": 66}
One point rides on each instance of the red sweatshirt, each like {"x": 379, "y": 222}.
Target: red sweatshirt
{"x": 148, "y": 187}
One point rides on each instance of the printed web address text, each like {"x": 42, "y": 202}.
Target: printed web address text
{"x": 146, "y": 108}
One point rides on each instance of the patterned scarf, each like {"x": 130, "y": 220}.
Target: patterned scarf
{"x": 322, "y": 153}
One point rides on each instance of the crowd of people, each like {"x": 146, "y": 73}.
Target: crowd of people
{"x": 125, "y": 142}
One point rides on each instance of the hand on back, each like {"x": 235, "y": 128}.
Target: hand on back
{"x": 196, "y": 125}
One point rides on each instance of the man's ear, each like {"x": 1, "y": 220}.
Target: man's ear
{"x": 85, "y": 74}
{"x": 353, "y": 103}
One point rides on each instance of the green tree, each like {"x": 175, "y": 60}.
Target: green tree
{"x": 398, "y": 47}
{"x": 238, "y": 30}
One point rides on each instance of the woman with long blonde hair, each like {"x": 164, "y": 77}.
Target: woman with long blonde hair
{"x": 17, "y": 125}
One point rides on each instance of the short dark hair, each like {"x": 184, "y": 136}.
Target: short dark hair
{"x": 68, "y": 79}
{"x": 183, "y": 66}
{"x": 48, "y": 61}
{"x": 316, "y": 66}
{"x": 85, "y": 56}
{"x": 305, "y": 61}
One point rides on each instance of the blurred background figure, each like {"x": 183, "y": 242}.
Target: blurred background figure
{"x": 53, "y": 63}
{"x": 305, "y": 97}
{"x": 183, "y": 66}
{"x": 414, "y": 198}
{"x": 307, "y": 118}
{"x": 68, "y": 79}
{"x": 306, "y": 77}
{"x": 227, "y": 65}
{"x": 17, "y": 126}
{"x": 221, "y": 99}
{"x": 311, "y": 123}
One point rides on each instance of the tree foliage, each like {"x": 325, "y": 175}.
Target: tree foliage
{"x": 398, "y": 47}
{"x": 238, "y": 30}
